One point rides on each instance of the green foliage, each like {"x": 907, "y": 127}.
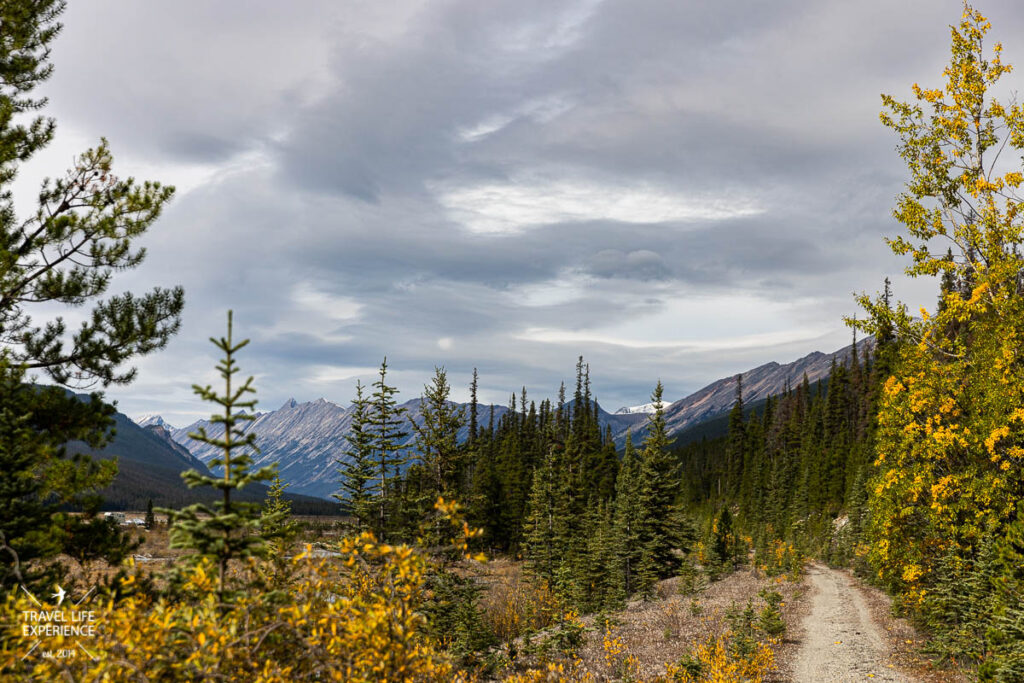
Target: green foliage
{"x": 276, "y": 523}
{"x": 689, "y": 667}
{"x": 663, "y": 531}
{"x": 437, "y": 436}
{"x": 743, "y": 631}
{"x": 385, "y": 425}
{"x": 627, "y": 521}
{"x": 769, "y": 619}
{"x": 39, "y": 479}
{"x": 564, "y": 638}
{"x": 356, "y": 468}
{"x": 948, "y": 474}
{"x": 26, "y": 529}
{"x": 89, "y": 219}
{"x": 62, "y": 252}
{"x": 150, "y": 520}
{"x": 803, "y": 482}
{"x": 229, "y": 530}
{"x": 542, "y": 544}
{"x": 89, "y": 538}
{"x": 454, "y": 617}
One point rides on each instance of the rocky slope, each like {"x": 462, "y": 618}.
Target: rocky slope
{"x": 306, "y": 439}
{"x": 758, "y": 383}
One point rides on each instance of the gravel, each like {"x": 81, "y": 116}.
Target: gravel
{"x": 842, "y": 641}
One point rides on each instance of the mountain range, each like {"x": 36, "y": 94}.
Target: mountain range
{"x": 306, "y": 439}
{"x": 758, "y": 383}
{"x": 150, "y": 463}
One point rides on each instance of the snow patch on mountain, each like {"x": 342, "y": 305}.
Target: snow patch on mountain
{"x": 645, "y": 409}
{"x": 148, "y": 419}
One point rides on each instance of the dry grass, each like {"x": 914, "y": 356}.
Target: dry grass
{"x": 659, "y": 632}
{"x": 650, "y": 634}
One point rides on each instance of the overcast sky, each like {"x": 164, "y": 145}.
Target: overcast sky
{"x": 675, "y": 190}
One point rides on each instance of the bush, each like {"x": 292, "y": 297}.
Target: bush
{"x": 716, "y": 660}
{"x": 769, "y": 618}
{"x": 354, "y": 620}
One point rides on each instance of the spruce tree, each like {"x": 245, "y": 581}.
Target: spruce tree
{"x": 437, "y": 434}
{"x": 474, "y": 408}
{"x": 26, "y": 529}
{"x": 737, "y": 441}
{"x": 356, "y": 467}
{"x": 543, "y": 549}
{"x": 150, "y": 520}
{"x": 229, "y": 530}
{"x": 627, "y": 519}
{"x": 662, "y": 528}
{"x": 275, "y": 515}
{"x": 40, "y": 480}
{"x": 386, "y": 420}
{"x": 722, "y": 540}
{"x": 279, "y": 530}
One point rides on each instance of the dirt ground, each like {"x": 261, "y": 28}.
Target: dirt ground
{"x": 662, "y": 631}
{"x": 848, "y": 633}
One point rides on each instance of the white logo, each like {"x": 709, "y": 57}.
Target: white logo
{"x": 43, "y": 623}
{"x": 59, "y": 595}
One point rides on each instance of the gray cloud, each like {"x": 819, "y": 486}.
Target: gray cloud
{"x": 669, "y": 188}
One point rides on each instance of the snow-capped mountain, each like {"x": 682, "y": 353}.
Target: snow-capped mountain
{"x": 645, "y": 409}
{"x": 149, "y": 419}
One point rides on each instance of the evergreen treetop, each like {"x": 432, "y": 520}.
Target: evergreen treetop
{"x": 230, "y": 529}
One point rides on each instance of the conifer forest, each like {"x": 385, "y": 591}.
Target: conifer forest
{"x": 864, "y": 523}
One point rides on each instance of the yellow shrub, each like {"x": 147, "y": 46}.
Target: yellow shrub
{"x": 718, "y": 665}
{"x": 515, "y": 605}
{"x": 352, "y": 621}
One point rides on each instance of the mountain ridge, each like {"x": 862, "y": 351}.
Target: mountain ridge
{"x": 306, "y": 439}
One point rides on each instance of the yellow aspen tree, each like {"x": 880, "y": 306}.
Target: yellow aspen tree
{"x": 950, "y": 440}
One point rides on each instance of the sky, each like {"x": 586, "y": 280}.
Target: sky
{"x": 675, "y": 190}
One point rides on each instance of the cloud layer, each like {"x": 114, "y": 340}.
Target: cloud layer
{"x": 675, "y": 190}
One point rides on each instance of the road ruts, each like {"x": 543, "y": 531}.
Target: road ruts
{"x": 841, "y": 640}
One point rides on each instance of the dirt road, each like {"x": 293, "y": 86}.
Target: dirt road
{"x": 841, "y": 640}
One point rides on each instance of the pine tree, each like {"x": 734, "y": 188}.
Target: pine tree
{"x": 662, "y": 528}
{"x": 600, "y": 585}
{"x": 62, "y": 252}
{"x": 722, "y": 539}
{"x": 39, "y": 479}
{"x": 602, "y": 468}
{"x": 276, "y": 524}
{"x": 627, "y": 518}
{"x": 737, "y": 442}
{"x": 473, "y": 411}
{"x": 386, "y": 420}
{"x": 150, "y": 520}
{"x": 82, "y": 232}
{"x": 25, "y": 524}
{"x": 542, "y": 541}
{"x": 229, "y": 530}
{"x": 356, "y": 468}
{"x": 437, "y": 435}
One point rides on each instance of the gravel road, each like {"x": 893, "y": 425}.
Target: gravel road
{"x": 842, "y": 642}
